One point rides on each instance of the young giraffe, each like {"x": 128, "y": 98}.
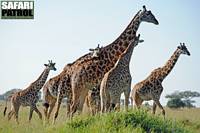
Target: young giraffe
{"x": 151, "y": 88}
{"x": 90, "y": 73}
{"x": 93, "y": 100}
{"x": 117, "y": 81}
{"x": 50, "y": 89}
{"x": 29, "y": 96}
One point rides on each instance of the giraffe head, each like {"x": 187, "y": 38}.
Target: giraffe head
{"x": 147, "y": 16}
{"x": 183, "y": 49}
{"x": 95, "y": 52}
{"x": 50, "y": 65}
{"x": 137, "y": 40}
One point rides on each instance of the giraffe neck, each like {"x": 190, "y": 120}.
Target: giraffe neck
{"x": 112, "y": 51}
{"x": 126, "y": 56}
{"x": 167, "y": 68}
{"x": 115, "y": 49}
{"x": 38, "y": 84}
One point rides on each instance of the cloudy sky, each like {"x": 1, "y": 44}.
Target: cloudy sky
{"x": 65, "y": 30}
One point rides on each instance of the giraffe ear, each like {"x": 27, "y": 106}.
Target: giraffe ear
{"x": 45, "y": 65}
{"x": 141, "y": 41}
{"x": 91, "y": 49}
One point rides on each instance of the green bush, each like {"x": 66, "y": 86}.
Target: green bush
{"x": 119, "y": 122}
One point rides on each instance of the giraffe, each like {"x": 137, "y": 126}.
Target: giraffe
{"x": 8, "y": 98}
{"x": 118, "y": 80}
{"x": 29, "y": 96}
{"x": 151, "y": 88}
{"x": 90, "y": 73}
{"x": 50, "y": 89}
{"x": 93, "y": 100}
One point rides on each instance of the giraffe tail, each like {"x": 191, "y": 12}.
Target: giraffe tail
{"x": 5, "y": 109}
{"x": 4, "y": 112}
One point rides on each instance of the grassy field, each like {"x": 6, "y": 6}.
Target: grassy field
{"x": 182, "y": 120}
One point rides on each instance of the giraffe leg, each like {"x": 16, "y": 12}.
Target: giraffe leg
{"x": 99, "y": 105}
{"x": 154, "y": 108}
{"x": 92, "y": 109}
{"x": 126, "y": 94}
{"x": 131, "y": 101}
{"x": 81, "y": 101}
{"x": 113, "y": 102}
{"x": 76, "y": 92}
{"x": 161, "y": 107}
{"x": 103, "y": 100}
{"x": 46, "y": 108}
{"x": 138, "y": 101}
{"x": 50, "y": 110}
{"x": 16, "y": 113}
{"x": 30, "y": 114}
{"x": 107, "y": 103}
{"x": 49, "y": 101}
{"x": 78, "y": 102}
{"x": 91, "y": 104}
{"x": 69, "y": 100}
{"x": 73, "y": 107}
{"x": 58, "y": 103}
{"x": 34, "y": 108}
{"x": 10, "y": 114}
{"x": 117, "y": 104}
{"x": 12, "y": 111}
{"x": 38, "y": 112}
{"x": 45, "y": 112}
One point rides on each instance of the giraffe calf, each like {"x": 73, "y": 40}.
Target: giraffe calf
{"x": 93, "y": 100}
{"x": 29, "y": 96}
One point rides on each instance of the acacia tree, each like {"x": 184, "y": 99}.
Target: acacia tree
{"x": 182, "y": 99}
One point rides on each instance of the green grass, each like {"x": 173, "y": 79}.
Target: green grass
{"x": 124, "y": 122}
{"x": 177, "y": 121}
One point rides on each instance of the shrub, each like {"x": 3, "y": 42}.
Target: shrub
{"x": 139, "y": 121}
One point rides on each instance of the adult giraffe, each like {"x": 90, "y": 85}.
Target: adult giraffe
{"x": 117, "y": 81}
{"x": 50, "y": 89}
{"x": 90, "y": 73}
{"x": 151, "y": 88}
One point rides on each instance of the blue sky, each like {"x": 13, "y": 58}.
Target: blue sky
{"x": 65, "y": 30}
